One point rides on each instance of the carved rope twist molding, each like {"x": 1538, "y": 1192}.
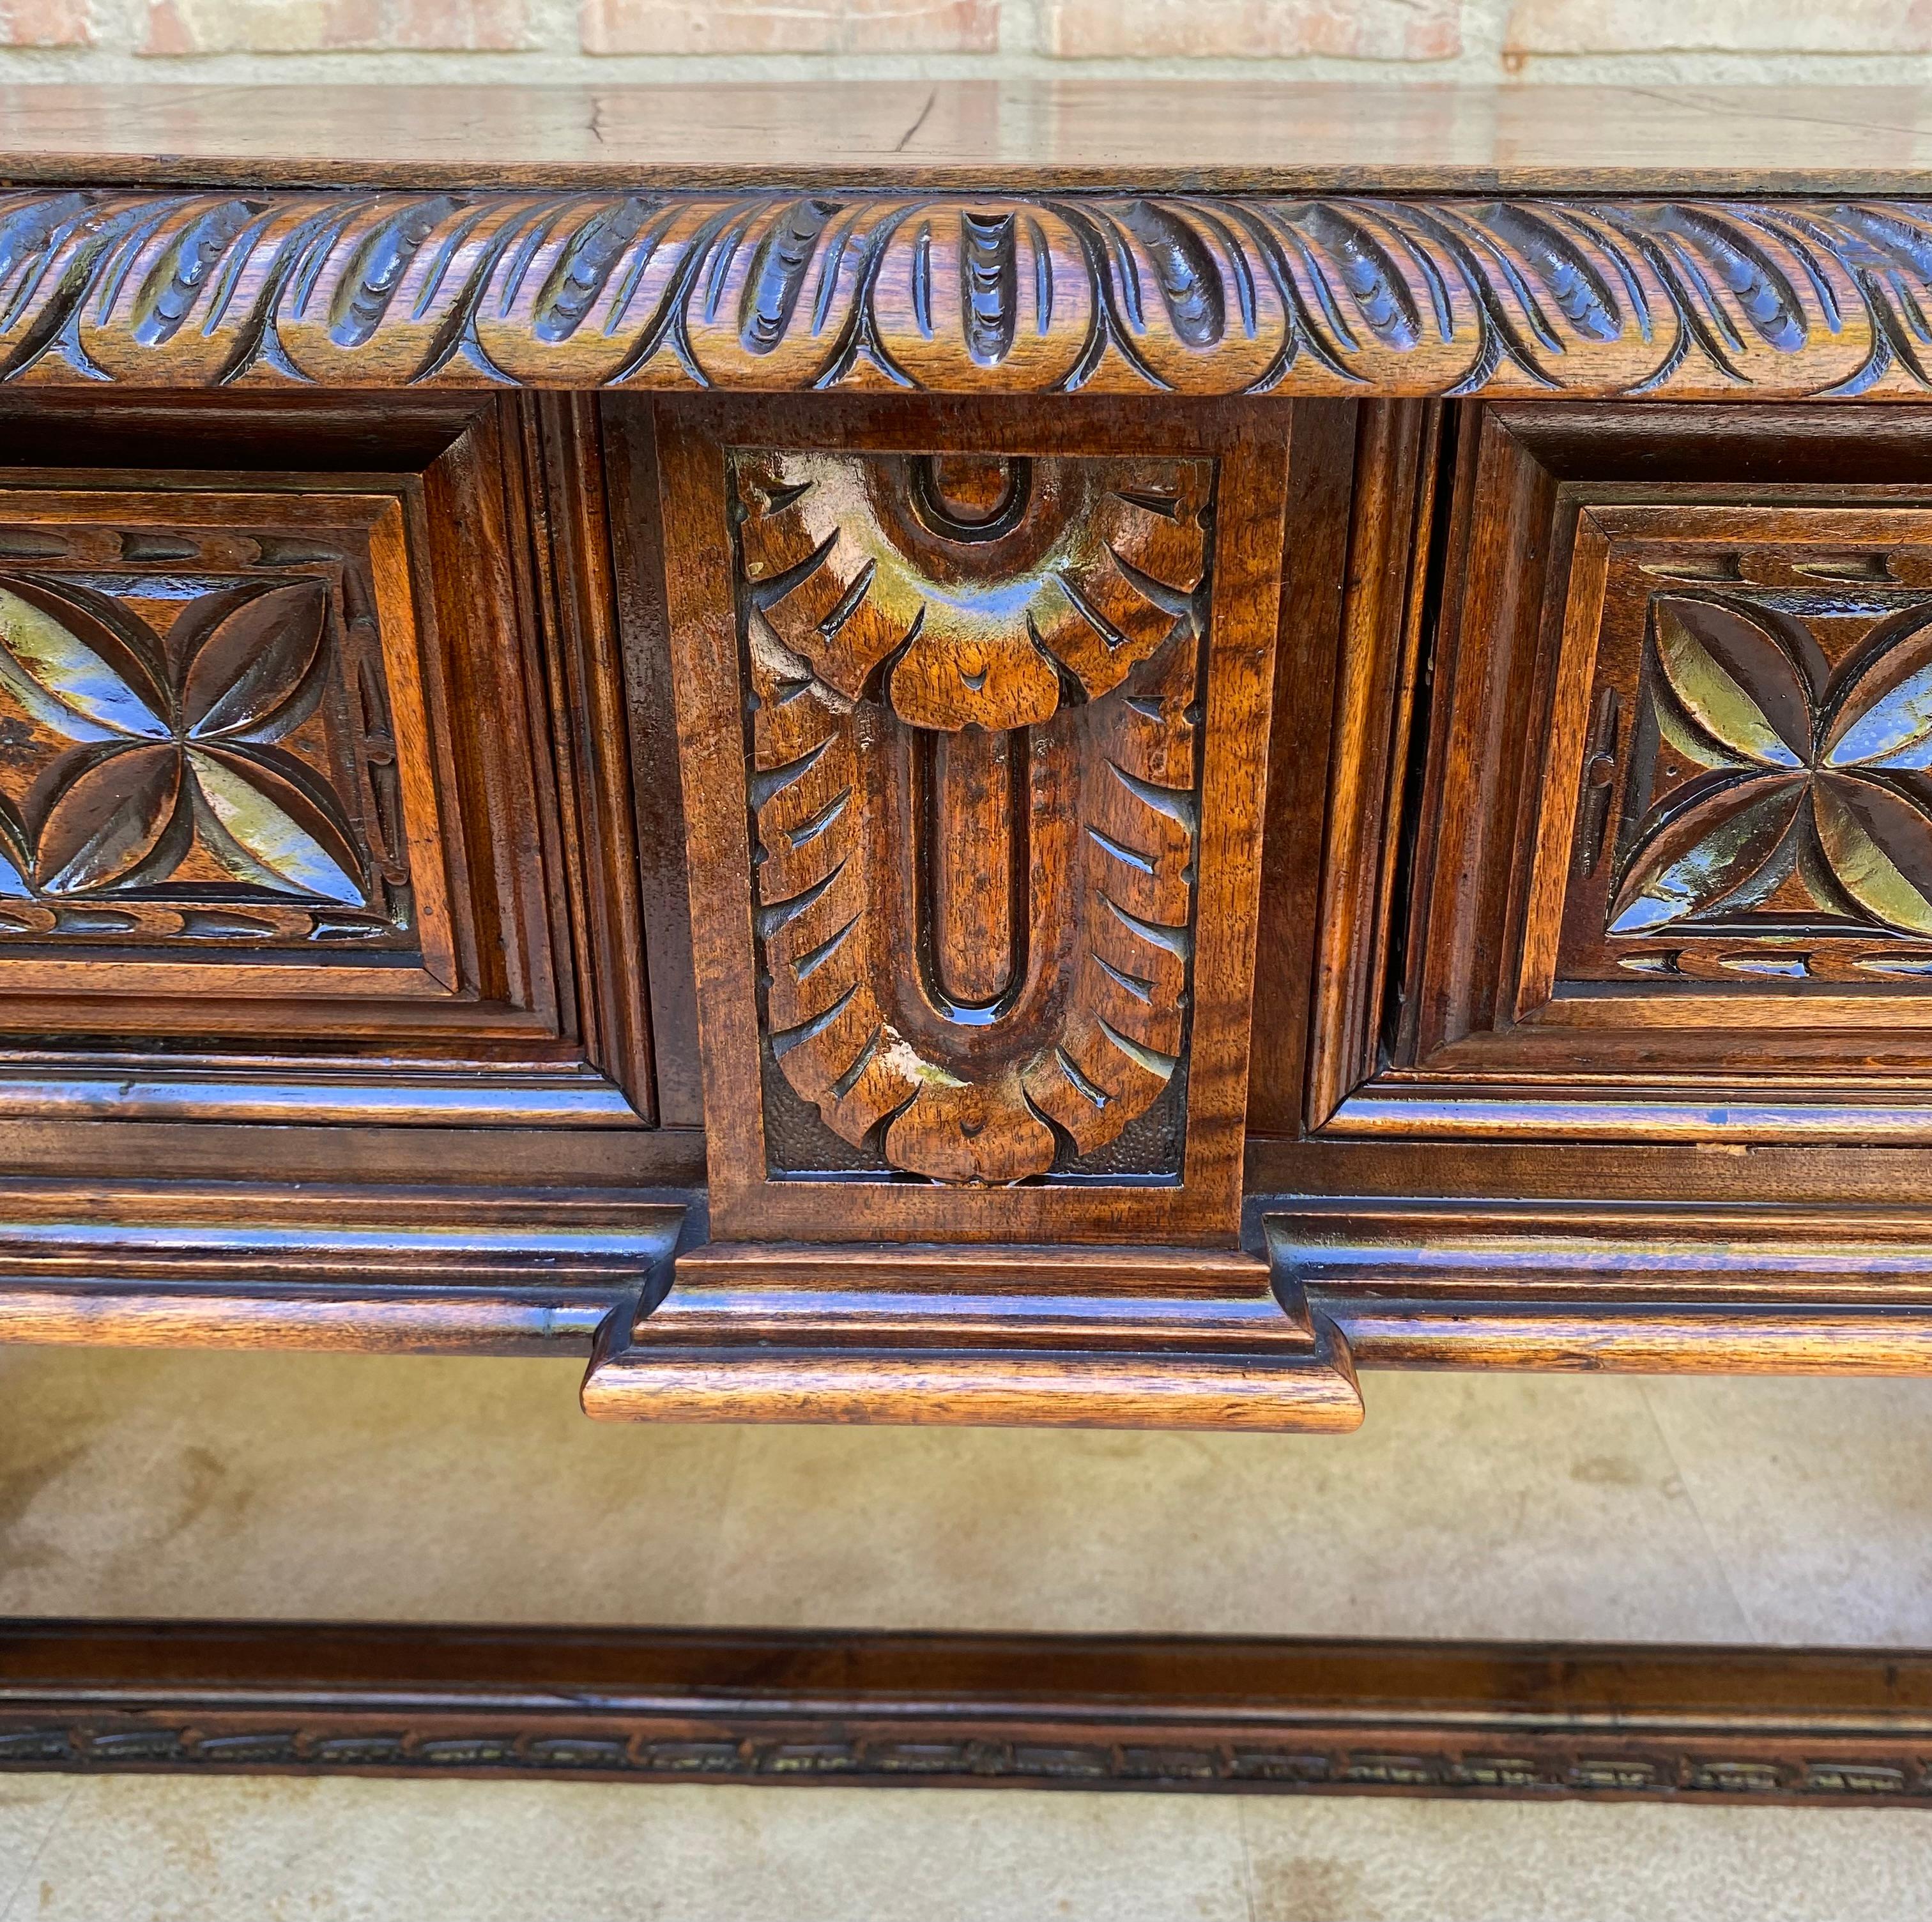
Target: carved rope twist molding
{"x": 765, "y": 292}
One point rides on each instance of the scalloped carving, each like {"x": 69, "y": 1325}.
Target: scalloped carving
{"x": 974, "y": 771}
{"x": 974, "y": 295}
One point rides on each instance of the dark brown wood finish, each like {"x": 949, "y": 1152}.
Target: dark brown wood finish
{"x": 1136, "y": 669}
{"x": 988, "y": 1334}
{"x": 1638, "y": 910}
{"x": 1140, "y": 719}
{"x": 1824, "y": 1727}
{"x": 764, "y": 290}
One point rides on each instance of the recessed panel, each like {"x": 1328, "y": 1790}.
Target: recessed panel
{"x": 290, "y": 817}
{"x": 979, "y": 726}
{"x": 1671, "y": 873}
{"x": 1755, "y": 802}
{"x": 198, "y": 749}
{"x": 974, "y": 775}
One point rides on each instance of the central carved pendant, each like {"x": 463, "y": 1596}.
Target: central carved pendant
{"x": 974, "y": 776}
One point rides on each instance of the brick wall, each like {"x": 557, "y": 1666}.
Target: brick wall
{"x": 541, "y": 41}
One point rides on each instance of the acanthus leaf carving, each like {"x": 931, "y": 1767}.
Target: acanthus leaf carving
{"x": 974, "y": 777}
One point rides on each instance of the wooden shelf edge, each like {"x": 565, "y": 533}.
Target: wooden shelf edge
{"x": 1034, "y": 1338}
{"x": 397, "y": 1319}
{"x": 1817, "y": 1726}
{"x": 1649, "y": 1288}
{"x": 405, "y": 1270}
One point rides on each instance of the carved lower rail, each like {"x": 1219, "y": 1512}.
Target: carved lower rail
{"x": 1824, "y": 1728}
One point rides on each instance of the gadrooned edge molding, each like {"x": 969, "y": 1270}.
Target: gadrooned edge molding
{"x": 787, "y": 292}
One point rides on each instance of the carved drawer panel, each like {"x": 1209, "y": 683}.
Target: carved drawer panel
{"x": 1753, "y": 798}
{"x": 1672, "y": 866}
{"x": 202, "y": 732}
{"x": 980, "y": 732}
{"x": 280, "y": 826}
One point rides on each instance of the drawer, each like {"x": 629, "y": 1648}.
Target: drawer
{"x": 297, "y": 821}
{"x": 1665, "y": 849}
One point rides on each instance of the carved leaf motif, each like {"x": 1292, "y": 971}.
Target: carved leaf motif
{"x": 285, "y": 841}
{"x": 1880, "y": 847}
{"x": 1194, "y": 303}
{"x": 1139, "y": 826}
{"x": 1088, "y": 583}
{"x": 1707, "y": 852}
{"x": 1735, "y": 683}
{"x": 1565, "y": 270}
{"x": 791, "y": 290}
{"x": 63, "y": 658}
{"x": 1366, "y": 270}
{"x": 1745, "y": 266}
{"x": 1884, "y": 717}
{"x": 983, "y": 296}
{"x": 113, "y": 816}
{"x": 852, "y": 1021}
{"x": 252, "y": 661}
{"x": 170, "y": 288}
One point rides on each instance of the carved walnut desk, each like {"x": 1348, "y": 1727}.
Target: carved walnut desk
{"x": 1079, "y": 756}
{"x": 1085, "y": 755}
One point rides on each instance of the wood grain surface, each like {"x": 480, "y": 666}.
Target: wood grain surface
{"x": 1087, "y": 617}
{"x": 1821, "y": 1727}
{"x": 1012, "y": 1337}
{"x": 267, "y": 1265}
{"x": 1759, "y": 1287}
{"x": 1147, "y": 670}
{"x": 1216, "y": 135}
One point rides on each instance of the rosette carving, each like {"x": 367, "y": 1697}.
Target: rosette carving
{"x": 1795, "y": 790}
{"x": 174, "y": 762}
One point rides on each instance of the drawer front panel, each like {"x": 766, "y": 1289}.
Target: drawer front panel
{"x": 1672, "y": 865}
{"x": 285, "y": 832}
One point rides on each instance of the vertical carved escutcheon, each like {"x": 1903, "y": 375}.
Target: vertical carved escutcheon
{"x": 975, "y": 776}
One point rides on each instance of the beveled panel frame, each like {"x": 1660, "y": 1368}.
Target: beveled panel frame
{"x": 310, "y": 515}
{"x": 1474, "y": 1031}
{"x": 522, "y": 999}
{"x": 1250, "y": 447}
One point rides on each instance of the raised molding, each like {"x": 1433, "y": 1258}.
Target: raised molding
{"x": 1646, "y": 1287}
{"x": 162, "y": 1264}
{"x": 1823, "y": 1727}
{"x": 1014, "y": 1337}
{"x": 767, "y": 292}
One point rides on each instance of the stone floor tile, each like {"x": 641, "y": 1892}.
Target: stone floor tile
{"x": 29, "y": 1807}
{"x": 170, "y": 1849}
{"x": 1372, "y": 1860}
{"x": 1816, "y": 1495}
{"x": 1499, "y": 1507}
{"x": 404, "y": 1487}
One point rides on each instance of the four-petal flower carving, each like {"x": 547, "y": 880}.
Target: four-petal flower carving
{"x": 1804, "y": 779}
{"x": 174, "y": 780}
